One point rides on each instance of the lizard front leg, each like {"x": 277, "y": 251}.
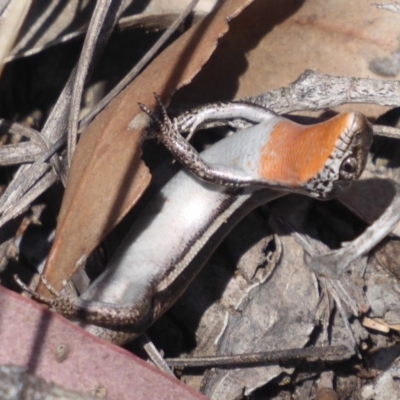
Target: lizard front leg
{"x": 185, "y": 153}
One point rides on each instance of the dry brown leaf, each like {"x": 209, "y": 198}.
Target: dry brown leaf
{"x": 107, "y": 175}
{"x": 275, "y": 41}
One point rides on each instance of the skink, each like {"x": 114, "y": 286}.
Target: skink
{"x": 184, "y": 223}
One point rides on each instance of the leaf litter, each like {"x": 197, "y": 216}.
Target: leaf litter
{"x": 282, "y": 306}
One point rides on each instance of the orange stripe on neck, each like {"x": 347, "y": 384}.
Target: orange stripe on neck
{"x": 296, "y": 153}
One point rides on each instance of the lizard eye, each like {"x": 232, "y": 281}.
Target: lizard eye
{"x": 348, "y": 168}
{"x": 358, "y": 136}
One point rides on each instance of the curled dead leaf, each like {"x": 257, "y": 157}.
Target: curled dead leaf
{"x": 107, "y": 175}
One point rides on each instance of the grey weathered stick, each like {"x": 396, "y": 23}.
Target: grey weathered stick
{"x": 155, "y": 355}
{"x": 387, "y": 131}
{"x": 315, "y": 91}
{"x": 24, "y": 181}
{"x": 21, "y": 152}
{"x": 310, "y": 354}
{"x": 104, "y": 18}
{"x": 53, "y": 131}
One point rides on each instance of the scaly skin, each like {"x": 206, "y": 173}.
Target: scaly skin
{"x": 185, "y": 222}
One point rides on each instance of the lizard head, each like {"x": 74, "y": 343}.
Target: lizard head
{"x": 346, "y": 162}
{"x": 319, "y": 160}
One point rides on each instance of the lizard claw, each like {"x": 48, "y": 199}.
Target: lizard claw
{"x": 164, "y": 123}
{"x": 189, "y": 122}
{"x": 150, "y": 113}
{"x": 153, "y": 116}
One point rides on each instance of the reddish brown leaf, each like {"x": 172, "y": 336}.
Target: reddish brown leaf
{"x": 60, "y": 352}
{"x": 107, "y": 175}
